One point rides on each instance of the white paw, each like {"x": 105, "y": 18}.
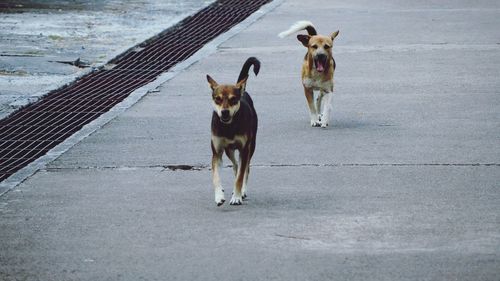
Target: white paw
{"x": 324, "y": 124}
{"x": 315, "y": 123}
{"x": 236, "y": 200}
{"x": 219, "y": 197}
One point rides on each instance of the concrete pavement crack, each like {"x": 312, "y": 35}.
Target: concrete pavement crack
{"x": 379, "y": 164}
{"x": 200, "y": 167}
{"x": 292, "y": 237}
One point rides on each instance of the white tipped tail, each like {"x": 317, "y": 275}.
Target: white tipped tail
{"x": 298, "y": 26}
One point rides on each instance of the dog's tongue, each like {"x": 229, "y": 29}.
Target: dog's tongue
{"x": 319, "y": 66}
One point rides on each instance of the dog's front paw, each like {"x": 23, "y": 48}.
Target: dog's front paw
{"x": 219, "y": 198}
{"x": 324, "y": 124}
{"x": 236, "y": 200}
{"x": 315, "y": 123}
{"x": 220, "y": 201}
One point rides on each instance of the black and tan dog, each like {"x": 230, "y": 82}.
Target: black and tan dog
{"x": 317, "y": 70}
{"x": 234, "y": 127}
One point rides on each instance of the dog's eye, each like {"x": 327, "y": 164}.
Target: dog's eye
{"x": 327, "y": 47}
{"x": 314, "y": 46}
{"x": 218, "y": 100}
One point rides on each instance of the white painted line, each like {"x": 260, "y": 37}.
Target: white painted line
{"x": 209, "y": 48}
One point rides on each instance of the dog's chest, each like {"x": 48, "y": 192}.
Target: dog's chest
{"x": 316, "y": 82}
{"x": 237, "y": 142}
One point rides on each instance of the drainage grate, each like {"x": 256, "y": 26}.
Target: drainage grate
{"x": 32, "y": 131}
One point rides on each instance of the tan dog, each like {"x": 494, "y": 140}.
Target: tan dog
{"x": 317, "y": 70}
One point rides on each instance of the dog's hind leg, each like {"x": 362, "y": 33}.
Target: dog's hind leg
{"x": 237, "y": 197}
{"x": 312, "y": 108}
{"x": 327, "y": 108}
{"x": 216, "y": 163}
{"x": 230, "y": 155}
{"x": 245, "y": 181}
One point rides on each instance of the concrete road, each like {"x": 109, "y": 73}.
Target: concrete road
{"x": 404, "y": 184}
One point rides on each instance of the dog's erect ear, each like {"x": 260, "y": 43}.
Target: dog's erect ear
{"x": 334, "y": 34}
{"x": 242, "y": 84}
{"x": 304, "y": 39}
{"x": 212, "y": 82}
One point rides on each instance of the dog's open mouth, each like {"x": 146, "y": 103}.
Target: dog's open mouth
{"x": 320, "y": 63}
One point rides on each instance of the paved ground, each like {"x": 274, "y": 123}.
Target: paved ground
{"x": 403, "y": 186}
{"x": 40, "y": 39}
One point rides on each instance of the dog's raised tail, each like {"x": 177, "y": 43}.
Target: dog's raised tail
{"x": 298, "y": 26}
{"x": 246, "y": 67}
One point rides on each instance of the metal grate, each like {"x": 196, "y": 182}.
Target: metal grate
{"x": 32, "y": 131}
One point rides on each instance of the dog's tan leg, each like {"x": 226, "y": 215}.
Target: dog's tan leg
{"x": 230, "y": 155}
{"x": 312, "y": 109}
{"x": 237, "y": 197}
{"x": 245, "y": 181}
{"x": 216, "y": 163}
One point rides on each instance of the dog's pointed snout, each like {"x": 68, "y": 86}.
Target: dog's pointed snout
{"x": 224, "y": 113}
